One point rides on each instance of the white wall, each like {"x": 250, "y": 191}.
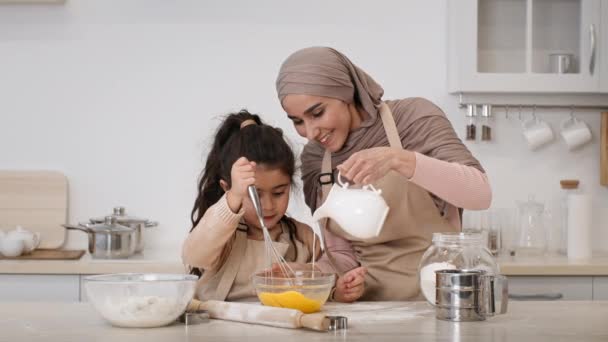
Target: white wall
{"x": 122, "y": 95}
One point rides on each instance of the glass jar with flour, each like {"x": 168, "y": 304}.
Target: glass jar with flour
{"x": 457, "y": 251}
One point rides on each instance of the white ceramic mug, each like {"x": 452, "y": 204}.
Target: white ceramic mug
{"x": 575, "y": 133}
{"x": 537, "y": 132}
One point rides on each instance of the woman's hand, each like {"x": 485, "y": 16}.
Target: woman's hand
{"x": 368, "y": 166}
{"x": 242, "y": 175}
{"x": 351, "y": 285}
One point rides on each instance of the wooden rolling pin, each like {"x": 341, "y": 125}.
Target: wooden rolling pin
{"x": 259, "y": 314}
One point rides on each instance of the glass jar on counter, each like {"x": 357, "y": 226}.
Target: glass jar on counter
{"x": 460, "y": 251}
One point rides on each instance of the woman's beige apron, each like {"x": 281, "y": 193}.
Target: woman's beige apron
{"x": 233, "y": 281}
{"x": 392, "y": 257}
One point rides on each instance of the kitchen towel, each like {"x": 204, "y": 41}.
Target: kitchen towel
{"x": 579, "y": 226}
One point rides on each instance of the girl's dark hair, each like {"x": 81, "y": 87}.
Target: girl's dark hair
{"x": 258, "y": 142}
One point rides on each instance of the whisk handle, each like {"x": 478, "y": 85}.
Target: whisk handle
{"x": 253, "y": 194}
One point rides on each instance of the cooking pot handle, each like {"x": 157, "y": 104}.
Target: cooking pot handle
{"x": 151, "y": 224}
{"x": 84, "y": 229}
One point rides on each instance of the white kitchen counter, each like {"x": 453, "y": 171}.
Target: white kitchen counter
{"x": 161, "y": 262}
{"x": 380, "y": 321}
{"x": 554, "y": 266}
{"x": 148, "y": 262}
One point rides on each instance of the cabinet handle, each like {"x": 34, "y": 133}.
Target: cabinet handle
{"x": 592, "y": 41}
{"x": 538, "y": 296}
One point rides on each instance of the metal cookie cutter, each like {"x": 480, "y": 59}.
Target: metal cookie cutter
{"x": 337, "y": 323}
{"x": 194, "y": 317}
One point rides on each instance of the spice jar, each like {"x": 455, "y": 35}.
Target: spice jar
{"x": 486, "y": 122}
{"x": 471, "y": 128}
{"x": 458, "y": 251}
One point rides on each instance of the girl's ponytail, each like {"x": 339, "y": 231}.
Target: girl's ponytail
{"x": 209, "y": 189}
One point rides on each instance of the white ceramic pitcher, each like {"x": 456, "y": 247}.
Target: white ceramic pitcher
{"x": 359, "y": 212}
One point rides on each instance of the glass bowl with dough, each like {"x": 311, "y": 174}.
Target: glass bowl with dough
{"x": 306, "y": 291}
{"x": 140, "y": 300}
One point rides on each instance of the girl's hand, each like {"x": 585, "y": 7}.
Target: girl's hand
{"x": 368, "y": 166}
{"x": 242, "y": 176}
{"x": 351, "y": 285}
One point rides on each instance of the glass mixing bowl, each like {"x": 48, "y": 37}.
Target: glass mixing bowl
{"x": 140, "y": 300}
{"x": 307, "y": 291}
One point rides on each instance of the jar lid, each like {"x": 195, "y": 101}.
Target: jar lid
{"x": 569, "y": 183}
{"x": 458, "y": 238}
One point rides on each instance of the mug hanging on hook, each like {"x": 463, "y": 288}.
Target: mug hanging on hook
{"x": 536, "y": 131}
{"x": 574, "y": 131}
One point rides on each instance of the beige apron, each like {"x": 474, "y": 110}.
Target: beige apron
{"x": 392, "y": 257}
{"x": 233, "y": 281}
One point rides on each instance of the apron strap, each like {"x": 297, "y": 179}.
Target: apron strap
{"x": 233, "y": 263}
{"x": 388, "y": 121}
{"x": 326, "y": 168}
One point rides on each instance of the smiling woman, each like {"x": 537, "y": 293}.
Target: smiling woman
{"x": 407, "y": 148}
{"x": 322, "y": 119}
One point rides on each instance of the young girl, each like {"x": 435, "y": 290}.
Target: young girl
{"x": 226, "y": 243}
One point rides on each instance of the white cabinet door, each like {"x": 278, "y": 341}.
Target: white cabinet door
{"x": 545, "y": 288}
{"x": 39, "y": 287}
{"x": 600, "y": 288}
{"x": 510, "y": 45}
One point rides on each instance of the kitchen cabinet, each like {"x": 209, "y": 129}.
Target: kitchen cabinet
{"x": 571, "y": 288}
{"x": 511, "y": 46}
{"x": 39, "y": 287}
{"x": 600, "y": 288}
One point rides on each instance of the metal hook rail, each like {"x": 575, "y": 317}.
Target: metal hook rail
{"x": 463, "y": 104}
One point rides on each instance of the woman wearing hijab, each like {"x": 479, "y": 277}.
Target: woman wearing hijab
{"x": 407, "y": 148}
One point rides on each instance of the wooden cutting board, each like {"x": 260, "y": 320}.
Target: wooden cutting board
{"x": 604, "y": 150}
{"x": 37, "y": 201}
{"x": 49, "y": 254}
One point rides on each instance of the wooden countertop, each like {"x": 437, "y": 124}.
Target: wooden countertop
{"x": 379, "y": 321}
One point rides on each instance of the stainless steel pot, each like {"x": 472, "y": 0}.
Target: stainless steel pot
{"x": 139, "y": 224}
{"x": 108, "y": 240}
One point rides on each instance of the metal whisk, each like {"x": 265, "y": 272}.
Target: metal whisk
{"x": 271, "y": 251}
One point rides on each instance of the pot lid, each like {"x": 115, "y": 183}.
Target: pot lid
{"x": 120, "y": 214}
{"x": 109, "y": 225}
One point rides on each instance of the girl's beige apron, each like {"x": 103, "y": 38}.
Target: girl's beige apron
{"x": 232, "y": 282}
{"x": 392, "y": 257}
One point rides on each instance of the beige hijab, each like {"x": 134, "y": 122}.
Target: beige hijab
{"x": 422, "y": 126}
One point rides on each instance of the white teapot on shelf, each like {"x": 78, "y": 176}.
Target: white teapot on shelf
{"x": 359, "y": 212}
{"x": 18, "y": 241}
